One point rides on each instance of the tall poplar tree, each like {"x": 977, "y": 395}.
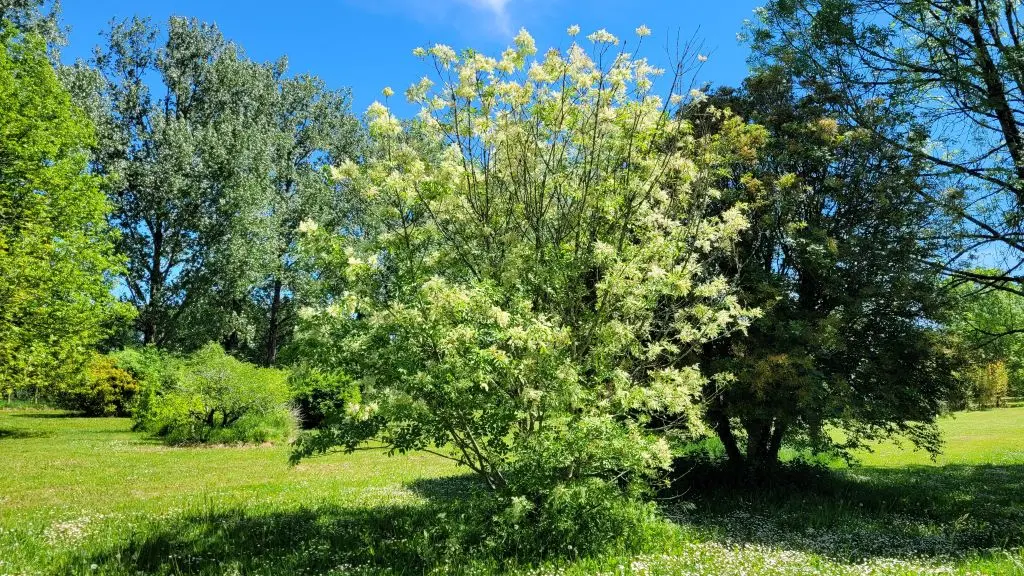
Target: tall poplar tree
{"x": 313, "y": 128}
{"x": 211, "y": 170}
{"x": 187, "y": 172}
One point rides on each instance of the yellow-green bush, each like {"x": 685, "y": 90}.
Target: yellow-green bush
{"x": 991, "y": 382}
{"x": 105, "y": 389}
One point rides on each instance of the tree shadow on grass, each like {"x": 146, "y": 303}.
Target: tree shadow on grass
{"x": 915, "y": 513}
{"x": 940, "y": 512}
{"x": 307, "y": 540}
{"x": 21, "y": 433}
{"x": 46, "y": 415}
{"x": 405, "y": 538}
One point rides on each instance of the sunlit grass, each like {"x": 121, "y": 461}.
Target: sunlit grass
{"x": 981, "y": 437}
{"x": 89, "y": 496}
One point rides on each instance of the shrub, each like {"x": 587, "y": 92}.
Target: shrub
{"x": 581, "y": 518}
{"x": 105, "y": 389}
{"x": 318, "y": 393}
{"x": 991, "y": 384}
{"x": 215, "y": 398}
{"x": 153, "y": 369}
{"x": 584, "y": 518}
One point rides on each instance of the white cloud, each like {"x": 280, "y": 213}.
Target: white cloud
{"x": 496, "y": 6}
{"x": 498, "y": 9}
{"x": 473, "y": 16}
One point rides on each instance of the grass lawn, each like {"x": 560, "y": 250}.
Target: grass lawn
{"x": 88, "y": 496}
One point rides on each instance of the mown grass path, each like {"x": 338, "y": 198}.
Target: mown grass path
{"x": 88, "y": 496}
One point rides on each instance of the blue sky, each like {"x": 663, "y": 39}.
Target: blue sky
{"x": 367, "y": 44}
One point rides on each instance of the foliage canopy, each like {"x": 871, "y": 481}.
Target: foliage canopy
{"x": 838, "y": 255}
{"x": 56, "y": 251}
{"x": 530, "y": 279}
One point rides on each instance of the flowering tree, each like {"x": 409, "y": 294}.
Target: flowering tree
{"x": 528, "y": 280}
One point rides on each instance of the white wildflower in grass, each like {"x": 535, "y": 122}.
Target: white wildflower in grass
{"x": 68, "y": 531}
{"x": 387, "y": 92}
{"x": 603, "y": 36}
{"x": 643, "y": 31}
{"x": 419, "y": 52}
{"x": 573, "y": 30}
{"x": 702, "y": 58}
{"x": 698, "y": 95}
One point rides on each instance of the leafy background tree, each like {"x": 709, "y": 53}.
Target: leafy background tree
{"x": 39, "y": 17}
{"x": 210, "y": 179}
{"x": 950, "y": 75}
{"x": 181, "y": 171}
{"x": 837, "y": 255}
{"x": 987, "y": 323}
{"x": 56, "y": 251}
{"x": 313, "y": 128}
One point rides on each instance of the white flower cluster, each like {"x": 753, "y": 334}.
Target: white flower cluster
{"x": 603, "y": 36}
{"x": 381, "y": 122}
{"x": 308, "y": 226}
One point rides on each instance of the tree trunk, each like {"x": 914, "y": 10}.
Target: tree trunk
{"x": 149, "y": 320}
{"x": 148, "y": 329}
{"x": 996, "y": 94}
{"x": 230, "y": 342}
{"x": 274, "y": 326}
{"x": 758, "y": 432}
{"x": 775, "y": 444}
{"x": 764, "y": 440}
{"x": 724, "y": 430}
